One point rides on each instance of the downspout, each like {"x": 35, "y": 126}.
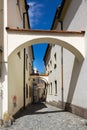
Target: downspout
{"x": 27, "y": 7}
{"x": 24, "y": 19}
{"x": 1, "y": 92}
{"x": 24, "y": 72}
{"x": 1, "y": 103}
{"x": 62, "y": 85}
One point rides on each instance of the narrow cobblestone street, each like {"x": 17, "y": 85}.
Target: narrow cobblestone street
{"x": 42, "y": 116}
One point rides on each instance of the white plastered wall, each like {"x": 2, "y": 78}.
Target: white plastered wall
{"x": 28, "y": 72}
{"x": 11, "y": 17}
{"x": 55, "y": 74}
{"x": 75, "y": 20}
{"x": 15, "y": 14}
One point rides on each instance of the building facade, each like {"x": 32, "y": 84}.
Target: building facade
{"x": 67, "y": 65}
{"x": 52, "y": 68}
{"x": 15, "y": 89}
{"x": 70, "y": 74}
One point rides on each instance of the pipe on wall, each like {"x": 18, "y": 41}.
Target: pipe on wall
{"x": 24, "y": 81}
{"x": 24, "y": 102}
{"x": 24, "y": 19}
{"x": 62, "y": 85}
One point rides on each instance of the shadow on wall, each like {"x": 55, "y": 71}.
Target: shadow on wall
{"x": 3, "y": 72}
{"x": 74, "y": 78}
{"x": 76, "y": 4}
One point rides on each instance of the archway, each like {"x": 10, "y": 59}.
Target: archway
{"x": 70, "y": 41}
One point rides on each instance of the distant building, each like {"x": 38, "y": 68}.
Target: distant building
{"x": 35, "y": 71}
{"x": 52, "y": 68}
{"x": 38, "y": 90}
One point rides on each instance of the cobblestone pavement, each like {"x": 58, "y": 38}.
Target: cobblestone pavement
{"x": 46, "y": 117}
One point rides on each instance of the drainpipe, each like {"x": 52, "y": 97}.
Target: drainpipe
{"x": 62, "y": 85}
{"x": 26, "y": 13}
{"x": 0, "y": 103}
{"x": 24, "y": 72}
{"x": 1, "y": 94}
{"x": 24, "y": 19}
{"x": 24, "y": 80}
{"x": 61, "y": 22}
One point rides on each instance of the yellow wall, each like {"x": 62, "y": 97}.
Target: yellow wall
{"x": 15, "y": 81}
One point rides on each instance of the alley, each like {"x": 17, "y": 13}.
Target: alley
{"x": 42, "y": 116}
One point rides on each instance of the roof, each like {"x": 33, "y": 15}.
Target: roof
{"x": 59, "y": 15}
{"x": 44, "y": 31}
{"x": 32, "y": 52}
{"x": 60, "y": 12}
{"x": 47, "y": 51}
{"x": 27, "y": 7}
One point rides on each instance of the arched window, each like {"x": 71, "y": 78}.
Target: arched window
{"x": 26, "y": 91}
{"x": 55, "y": 87}
{"x": 51, "y": 87}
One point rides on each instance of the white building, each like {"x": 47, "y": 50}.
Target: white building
{"x": 67, "y": 82}
{"x": 15, "y": 86}
{"x": 52, "y": 64}
{"x": 72, "y": 71}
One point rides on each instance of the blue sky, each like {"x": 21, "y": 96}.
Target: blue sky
{"x": 41, "y": 15}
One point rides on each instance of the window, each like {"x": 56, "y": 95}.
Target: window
{"x": 55, "y": 60}
{"x": 19, "y": 54}
{"x": 55, "y": 87}
{"x": 30, "y": 68}
{"x": 55, "y": 66}
{"x": 26, "y": 91}
{"x": 55, "y": 56}
{"x": 30, "y": 91}
{"x": 51, "y": 87}
{"x": 26, "y": 62}
{"x": 46, "y": 70}
{"x": 50, "y": 66}
{"x": 48, "y": 89}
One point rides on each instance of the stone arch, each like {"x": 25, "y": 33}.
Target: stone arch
{"x": 42, "y": 78}
{"x": 72, "y": 41}
{"x": 59, "y": 42}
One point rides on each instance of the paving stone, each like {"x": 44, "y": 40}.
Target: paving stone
{"x": 46, "y": 117}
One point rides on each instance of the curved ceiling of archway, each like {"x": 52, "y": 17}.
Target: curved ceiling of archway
{"x": 43, "y": 79}
{"x": 59, "y": 42}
